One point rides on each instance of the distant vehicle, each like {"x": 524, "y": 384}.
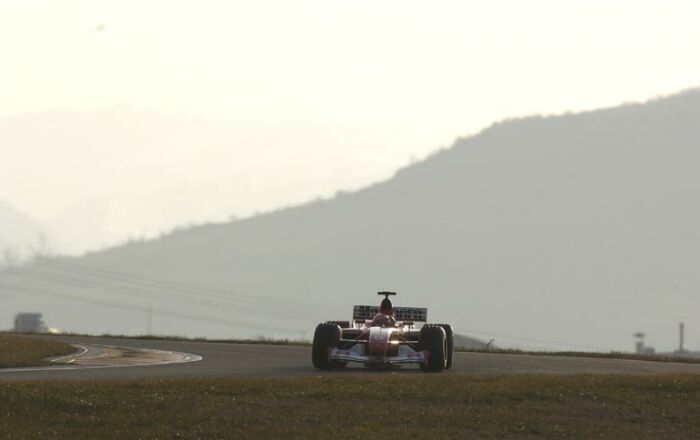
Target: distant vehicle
{"x": 376, "y": 341}
{"x": 29, "y": 323}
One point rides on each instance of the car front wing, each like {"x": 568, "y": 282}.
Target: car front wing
{"x": 351, "y": 355}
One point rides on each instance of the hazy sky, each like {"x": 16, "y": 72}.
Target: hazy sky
{"x": 405, "y": 77}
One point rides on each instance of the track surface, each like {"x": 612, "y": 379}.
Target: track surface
{"x": 252, "y": 360}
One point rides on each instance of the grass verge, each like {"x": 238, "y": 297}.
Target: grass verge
{"x": 22, "y": 351}
{"x": 592, "y": 354}
{"x": 437, "y": 406}
{"x": 261, "y": 340}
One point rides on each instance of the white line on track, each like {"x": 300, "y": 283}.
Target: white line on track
{"x": 185, "y": 358}
{"x": 71, "y": 357}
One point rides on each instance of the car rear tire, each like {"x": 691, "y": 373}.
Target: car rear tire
{"x": 434, "y": 341}
{"x": 326, "y": 336}
{"x": 449, "y": 335}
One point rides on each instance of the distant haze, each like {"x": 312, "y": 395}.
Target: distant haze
{"x": 101, "y": 178}
{"x": 20, "y": 236}
{"x": 123, "y": 119}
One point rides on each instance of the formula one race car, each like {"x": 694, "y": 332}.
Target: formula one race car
{"x": 383, "y": 337}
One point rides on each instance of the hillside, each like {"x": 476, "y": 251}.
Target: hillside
{"x": 121, "y": 172}
{"x": 571, "y": 231}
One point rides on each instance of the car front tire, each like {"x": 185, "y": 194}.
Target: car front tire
{"x": 326, "y": 336}
{"x": 434, "y": 341}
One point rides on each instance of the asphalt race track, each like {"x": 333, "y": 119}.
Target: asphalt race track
{"x": 257, "y": 360}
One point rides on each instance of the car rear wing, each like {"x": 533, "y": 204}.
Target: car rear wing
{"x": 419, "y": 314}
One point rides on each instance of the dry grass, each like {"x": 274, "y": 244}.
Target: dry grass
{"x": 259, "y": 340}
{"x": 22, "y": 351}
{"x": 441, "y": 406}
{"x": 592, "y": 354}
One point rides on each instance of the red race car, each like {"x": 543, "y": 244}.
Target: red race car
{"x": 384, "y": 336}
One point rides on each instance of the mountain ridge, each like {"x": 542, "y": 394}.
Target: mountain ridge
{"x": 572, "y": 229}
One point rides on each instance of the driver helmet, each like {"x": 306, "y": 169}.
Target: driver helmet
{"x": 386, "y": 307}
